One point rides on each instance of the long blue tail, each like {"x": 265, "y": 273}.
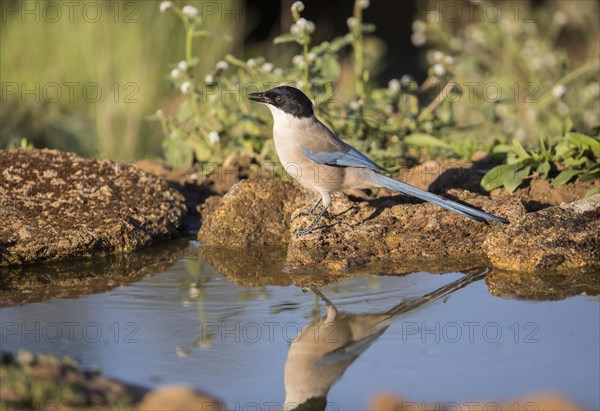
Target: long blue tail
{"x": 458, "y": 208}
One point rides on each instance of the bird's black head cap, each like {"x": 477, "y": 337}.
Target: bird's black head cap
{"x": 286, "y": 98}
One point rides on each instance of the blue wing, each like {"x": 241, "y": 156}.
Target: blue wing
{"x": 350, "y": 158}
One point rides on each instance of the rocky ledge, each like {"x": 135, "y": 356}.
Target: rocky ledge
{"x": 55, "y": 205}
{"x": 397, "y": 230}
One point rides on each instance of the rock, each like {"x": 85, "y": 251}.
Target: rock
{"x": 384, "y": 230}
{"x": 564, "y": 237}
{"x": 253, "y": 213}
{"x": 177, "y": 398}
{"x": 539, "y": 402}
{"x": 56, "y": 205}
{"x": 32, "y": 381}
{"x": 539, "y": 193}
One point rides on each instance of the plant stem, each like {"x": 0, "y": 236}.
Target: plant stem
{"x": 587, "y": 67}
{"x": 357, "y": 44}
{"x": 306, "y": 71}
{"x": 436, "y": 102}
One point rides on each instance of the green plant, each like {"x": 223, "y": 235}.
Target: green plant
{"x": 442, "y": 116}
{"x": 571, "y": 155}
{"x": 217, "y": 123}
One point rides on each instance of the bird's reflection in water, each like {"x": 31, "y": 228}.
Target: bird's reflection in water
{"x": 325, "y": 348}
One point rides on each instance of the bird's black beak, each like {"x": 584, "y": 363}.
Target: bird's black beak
{"x": 259, "y": 97}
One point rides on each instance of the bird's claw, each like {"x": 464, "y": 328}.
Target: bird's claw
{"x": 300, "y": 232}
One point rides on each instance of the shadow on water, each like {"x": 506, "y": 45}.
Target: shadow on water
{"x": 77, "y": 277}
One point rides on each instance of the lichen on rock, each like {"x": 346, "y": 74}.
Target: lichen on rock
{"x": 55, "y": 205}
{"x": 557, "y": 238}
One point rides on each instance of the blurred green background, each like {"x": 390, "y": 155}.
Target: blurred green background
{"x": 84, "y": 76}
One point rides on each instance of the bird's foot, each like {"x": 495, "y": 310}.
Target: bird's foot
{"x": 300, "y": 232}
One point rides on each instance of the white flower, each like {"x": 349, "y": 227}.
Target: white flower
{"x": 189, "y": 11}
{"x": 251, "y": 63}
{"x": 449, "y": 60}
{"x": 352, "y": 22}
{"x": 593, "y": 89}
{"x": 363, "y": 4}
{"x": 419, "y": 25}
{"x": 560, "y": 17}
{"x": 296, "y": 30}
{"x": 193, "y": 292}
{"x": 214, "y": 137}
{"x": 311, "y": 57}
{"x": 439, "y": 70}
{"x": 307, "y": 25}
{"x": 434, "y": 56}
{"x": 302, "y": 26}
{"x": 175, "y": 73}
{"x": 183, "y": 66}
{"x": 159, "y": 113}
{"x": 298, "y": 60}
{"x": 354, "y": 105}
{"x": 297, "y": 6}
{"x": 268, "y": 67}
{"x": 559, "y": 90}
{"x": 278, "y": 72}
{"x": 186, "y": 87}
{"x": 418, "y": 38}
{"x": 209, "y": 78}
{"x": 222, "y": 65}
{"x": 394, "y": 86}
{"x": 165, "y": 5}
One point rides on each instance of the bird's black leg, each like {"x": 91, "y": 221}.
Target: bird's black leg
{"x": 331, "y": 310}
{"x": 313, "y": 225}
{"x": 314, "y": 206}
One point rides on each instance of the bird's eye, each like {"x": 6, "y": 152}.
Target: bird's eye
{"x": 278, "y": 99}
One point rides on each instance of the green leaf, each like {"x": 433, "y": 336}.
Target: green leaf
{"x": 367, "y": 28}
{"x": 502, "y": 148}
{"x": 177, "y": 152}
{"x": 339, "y": 43}
{"x": 520, "y": 150}
{"x": 544, "y": 169}
{"x": 185, "y": 111}
{"x": 585, "y": 141}
{"x": 544, "y": 143}
{"x": 213, "y": 34}
{"x": 574, "y": 162}
{"x": 495, "y": 177}
{"x": 425, "y": 140}
{"x": 515, "y": 178}
{"x": 286, "y": 38}
{"x": 203, "y": 151}
{"x": 592, "y": 191}
{"x": 328, "y": 67}
{"x": 567, "y": 126}
{"x": 565, "y": 176}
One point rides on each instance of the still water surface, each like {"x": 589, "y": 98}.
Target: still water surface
{"x": 190, "y": 325}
